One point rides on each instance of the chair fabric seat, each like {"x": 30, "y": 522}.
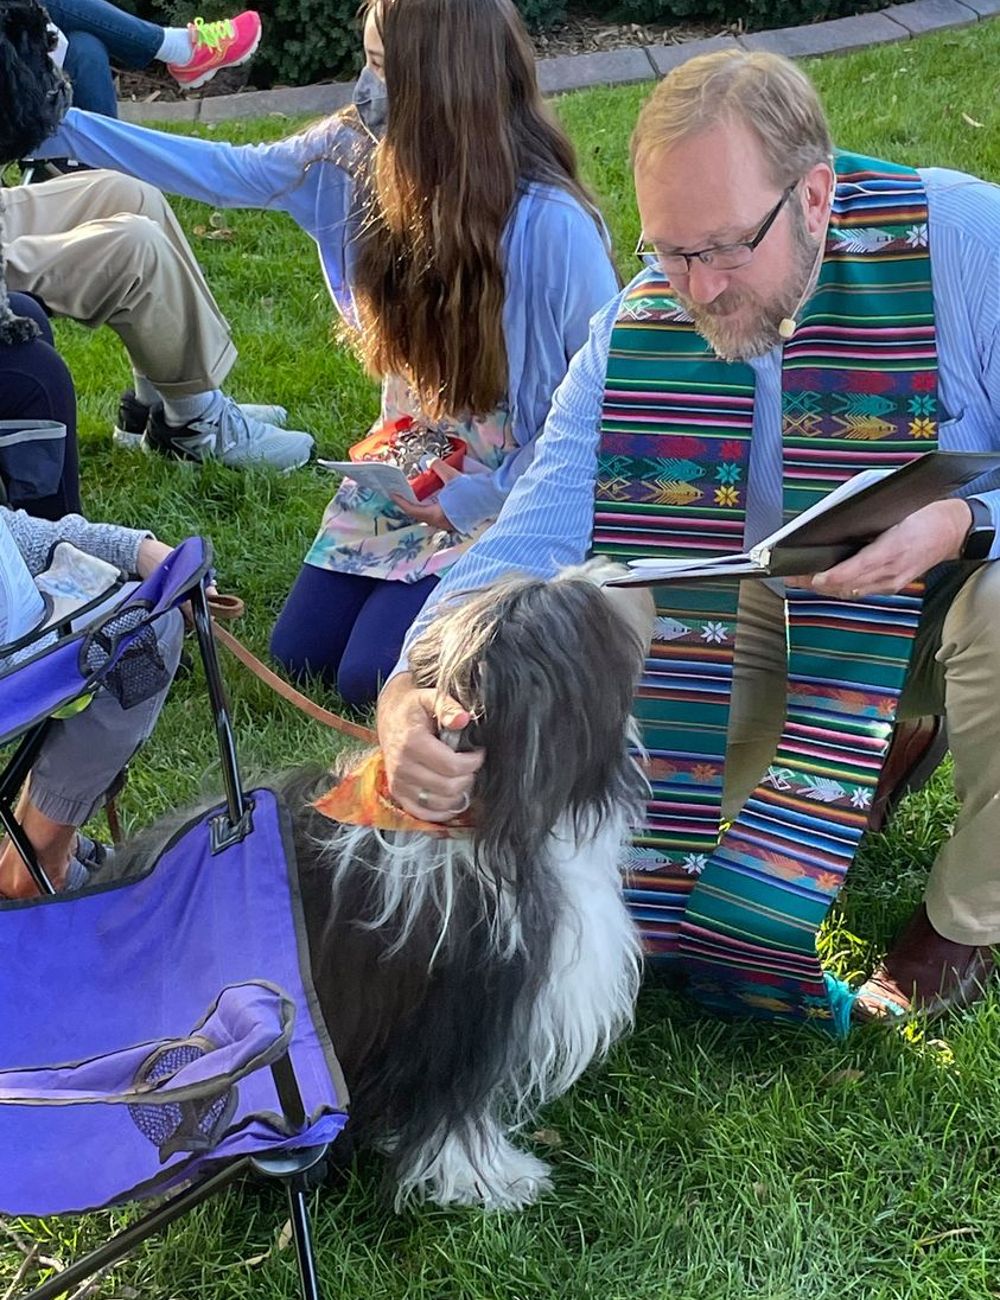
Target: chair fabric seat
{"x": 193, "y": 982}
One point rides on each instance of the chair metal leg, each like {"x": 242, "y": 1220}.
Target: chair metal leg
{"x": 126, "y": 1240}
{"x": 298, "y": 1169}
{"x": 236, "y": 803}
{"x": 298, "y": 1211}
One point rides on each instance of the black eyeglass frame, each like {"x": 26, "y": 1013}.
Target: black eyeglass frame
{"x": 653, "y": 258}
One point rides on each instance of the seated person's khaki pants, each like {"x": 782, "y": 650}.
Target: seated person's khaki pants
{"x": 106, "y": 249}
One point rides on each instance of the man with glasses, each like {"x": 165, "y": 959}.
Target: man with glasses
{"x": 786, "y": 332}
{"x": 724, "y": 257}
{"x": 710, "y": 316}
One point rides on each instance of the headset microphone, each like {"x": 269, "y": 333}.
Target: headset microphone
{"x": 789, "y": 324}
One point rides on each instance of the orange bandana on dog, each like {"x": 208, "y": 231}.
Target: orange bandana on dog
{"x": 361, "y": 798}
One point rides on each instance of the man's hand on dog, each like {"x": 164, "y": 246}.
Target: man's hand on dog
{"x": 426, "y": 777}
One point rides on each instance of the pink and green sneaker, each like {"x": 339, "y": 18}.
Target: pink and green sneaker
{"x": 223, "y": 44}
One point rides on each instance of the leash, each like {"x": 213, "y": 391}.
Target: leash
{"x": 231, "y": 607}
{"x": 228, "y": 607}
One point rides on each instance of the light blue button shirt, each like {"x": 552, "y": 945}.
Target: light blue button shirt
{"x": 557, "y": 270}
{"x": 547, "y": 519}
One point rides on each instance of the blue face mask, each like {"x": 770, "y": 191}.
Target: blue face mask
{"x": 371, "y": 101}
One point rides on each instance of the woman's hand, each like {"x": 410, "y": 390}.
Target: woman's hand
{"x": 429, "y": 512}
{"x": 425, "y": 776}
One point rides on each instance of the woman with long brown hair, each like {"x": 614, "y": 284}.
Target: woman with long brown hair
{"x": 465, "y": 258}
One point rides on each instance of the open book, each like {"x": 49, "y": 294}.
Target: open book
{"x": 835, "y": 527}
{"x": 376, "y": 475}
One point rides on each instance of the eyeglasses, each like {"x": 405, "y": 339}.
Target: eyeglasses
{"x": 723, "y": 257}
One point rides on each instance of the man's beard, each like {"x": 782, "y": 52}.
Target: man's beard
{"x": 754, "y": 331}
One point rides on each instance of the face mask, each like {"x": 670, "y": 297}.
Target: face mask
{"x": 371, "y": 101}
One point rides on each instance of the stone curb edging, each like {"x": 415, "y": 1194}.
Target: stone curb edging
{"x": 898, "y": 22}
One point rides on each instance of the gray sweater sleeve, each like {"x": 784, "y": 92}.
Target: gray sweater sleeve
{"x": 36, "y": 537}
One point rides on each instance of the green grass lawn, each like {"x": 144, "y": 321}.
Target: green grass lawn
{"x": 704, "y": 1160}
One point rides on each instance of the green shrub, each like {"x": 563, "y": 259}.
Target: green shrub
{"x": 540, "y": 15}
{"x": 313, "y": 40}
{"x": 316, "y": 40}
{"x": 307, "y": 40}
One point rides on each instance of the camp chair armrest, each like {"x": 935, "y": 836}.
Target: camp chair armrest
{"x": 248, "y": 1028}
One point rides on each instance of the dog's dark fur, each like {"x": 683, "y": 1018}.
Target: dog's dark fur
{"x": 34, "y": 96}
{"x": 466, "y": 980}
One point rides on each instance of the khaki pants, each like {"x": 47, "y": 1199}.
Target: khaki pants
{"x": 105, "y": 249}
{"x": 955, "y": 671}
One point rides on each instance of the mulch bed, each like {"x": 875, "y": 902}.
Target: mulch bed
{"x": 585, "y": 35}
{"x": 155, "y": 85}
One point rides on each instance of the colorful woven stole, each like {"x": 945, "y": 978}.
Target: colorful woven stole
{"x": 739, "y": 907}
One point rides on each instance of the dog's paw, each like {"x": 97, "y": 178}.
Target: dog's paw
{"x": 524, "y": 1178}
{"x": 494, "y": 1176}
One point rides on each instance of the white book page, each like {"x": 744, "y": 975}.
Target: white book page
{"x": 758, "y": 558}
{"x": 376, "y": 475}
{"x": 692, "y": 562}
{"x": 842, "y": 492}
{"x": 648, "y": 571}
{"x": 21, "y": 604}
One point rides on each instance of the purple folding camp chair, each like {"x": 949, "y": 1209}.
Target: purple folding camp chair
{"x": 160, "y": 1034}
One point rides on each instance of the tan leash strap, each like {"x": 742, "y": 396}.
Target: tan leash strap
{"x": 114, "y": 822}
{"x": 288, "y": 692}
{"x": 221, "y": 605}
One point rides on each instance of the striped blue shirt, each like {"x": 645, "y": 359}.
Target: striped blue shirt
{"x": 546, "y": 521}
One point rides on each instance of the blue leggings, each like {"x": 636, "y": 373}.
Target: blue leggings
{"x": 98, "y": 32}
{"x": 346, "y": 629}
{"x": 36, "y": 385}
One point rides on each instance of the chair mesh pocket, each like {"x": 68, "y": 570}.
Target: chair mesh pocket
{"x": 140, "y": 671}
{"x": 186, "y": 1125}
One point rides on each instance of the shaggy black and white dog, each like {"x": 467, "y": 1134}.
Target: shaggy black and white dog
{"x": 467, "y": 980}
{"x": 34, "y": 96}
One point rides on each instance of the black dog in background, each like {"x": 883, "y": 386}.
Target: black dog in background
{"x": 34, "y": 96}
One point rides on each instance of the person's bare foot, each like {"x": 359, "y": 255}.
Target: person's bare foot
{"x": 16, "y": 880}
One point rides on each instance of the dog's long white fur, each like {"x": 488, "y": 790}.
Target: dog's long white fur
{"x": 484, "y": 1169}
{"x": 585, "y": 1003}
{"x": 560, "y": 958}
{"x": 415, "y": 872}
{"x": 588, "y": 999}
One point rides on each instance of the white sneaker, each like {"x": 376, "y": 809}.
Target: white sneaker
{"x": 133, "y": 416}
{"x": 228, "y": 434}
